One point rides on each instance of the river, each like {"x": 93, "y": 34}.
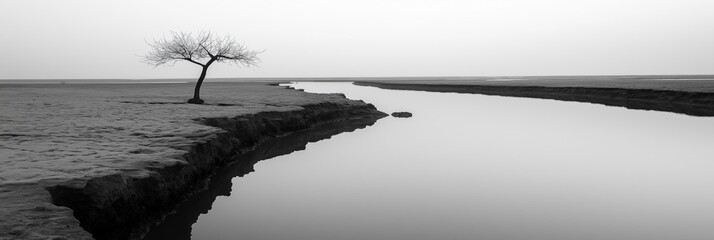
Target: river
{"x": 469, "y": 166}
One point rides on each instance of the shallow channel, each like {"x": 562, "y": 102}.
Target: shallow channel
{"x": 469, "y": 166}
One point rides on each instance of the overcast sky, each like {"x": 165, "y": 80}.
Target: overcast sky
{"x": 360, "y": 38}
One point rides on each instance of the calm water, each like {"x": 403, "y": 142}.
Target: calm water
{"x": 481, "y": 167}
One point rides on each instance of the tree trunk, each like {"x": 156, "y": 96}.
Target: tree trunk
{"x": 197, "y": 91}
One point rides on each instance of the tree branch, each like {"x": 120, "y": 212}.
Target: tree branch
{"x": 193, "y": 61}
{"x": 198, "y": 48}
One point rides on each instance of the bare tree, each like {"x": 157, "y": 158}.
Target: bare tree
{"x": 203, "y": 49}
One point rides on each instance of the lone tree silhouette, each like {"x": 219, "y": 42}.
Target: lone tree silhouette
{"x": 203, "y": 49}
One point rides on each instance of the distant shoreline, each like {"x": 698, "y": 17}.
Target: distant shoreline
{"x": 695, "y": 98}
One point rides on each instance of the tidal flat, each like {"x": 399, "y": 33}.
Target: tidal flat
{"x": 105, "y": 161}
{"x": 120, "y": 154}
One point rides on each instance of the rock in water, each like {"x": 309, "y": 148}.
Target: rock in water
{"x": 402, "y": 114}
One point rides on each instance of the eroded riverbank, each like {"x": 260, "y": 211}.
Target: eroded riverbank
{"x": 178, "y": 225}
{"x": 121, "y": 156}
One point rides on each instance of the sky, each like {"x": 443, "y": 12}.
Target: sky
{"x": 89, "y": 39}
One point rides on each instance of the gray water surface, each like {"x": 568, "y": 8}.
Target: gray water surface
{"x": 481, "y": 167}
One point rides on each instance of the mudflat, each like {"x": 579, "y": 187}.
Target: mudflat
{"x": 54, "y": 134}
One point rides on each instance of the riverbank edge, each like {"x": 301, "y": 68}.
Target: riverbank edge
{"x": 689, "y": 103}
{"x": 120, "y": 206}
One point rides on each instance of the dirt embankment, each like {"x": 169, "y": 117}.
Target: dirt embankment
{"x": 121, "y": 154}
{"x": 121, "y": 207}
{"x": 690, "y": 103}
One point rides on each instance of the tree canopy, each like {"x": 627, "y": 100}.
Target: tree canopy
{"x": 202, "y": 48}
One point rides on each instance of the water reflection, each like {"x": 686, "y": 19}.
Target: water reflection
{"x": 177, "y": 226}
{"x": 482, "y": 167}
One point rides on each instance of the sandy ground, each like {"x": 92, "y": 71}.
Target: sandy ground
{"x": 54, "y": 133}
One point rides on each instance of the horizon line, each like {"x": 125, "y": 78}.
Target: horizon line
{"x": 268, "y": 78}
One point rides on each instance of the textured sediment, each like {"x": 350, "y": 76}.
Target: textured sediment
{"x": 686, "y": 102}
{"x": 121, "y": 207}
{"x": 116, "y": 158}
